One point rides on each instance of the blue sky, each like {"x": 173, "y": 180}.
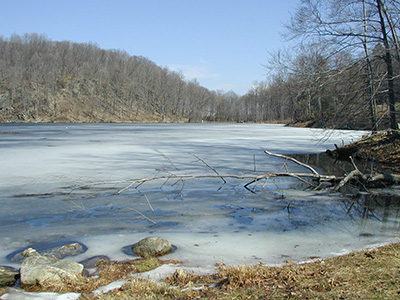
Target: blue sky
{"x": 222, "y": 43}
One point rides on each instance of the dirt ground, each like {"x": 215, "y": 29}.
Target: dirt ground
{"x": 382, "y": 148}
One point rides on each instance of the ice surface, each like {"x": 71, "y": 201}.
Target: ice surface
{"x": 208, "y": 221}
{"x": 112, "y": 286}
{"x": 16, "y": 294}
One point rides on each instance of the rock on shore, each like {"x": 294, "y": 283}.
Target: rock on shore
{"x": 152, "y": 246}
{"x": 38, "y": 268}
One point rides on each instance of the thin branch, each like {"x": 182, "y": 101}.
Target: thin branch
{"x": 353, "y": 163}
{"x": 294, "y": 160}
{"x": 204, "y": 162}
{"x": 148, "y": 202}
{"x": 148, "y": 219}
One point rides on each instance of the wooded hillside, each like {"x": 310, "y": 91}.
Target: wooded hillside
{"x": 42, "y": 80}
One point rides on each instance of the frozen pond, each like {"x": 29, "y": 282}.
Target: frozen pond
{"x": 209, "y": 221}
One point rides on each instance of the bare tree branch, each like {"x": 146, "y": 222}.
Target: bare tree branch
{"x": 294, "y": 160}
{"x": 204, "y": 162}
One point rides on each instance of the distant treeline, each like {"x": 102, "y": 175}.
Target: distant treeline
{"x": 51, "y": 81}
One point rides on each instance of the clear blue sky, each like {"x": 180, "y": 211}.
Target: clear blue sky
{"x": 222, "y": 43}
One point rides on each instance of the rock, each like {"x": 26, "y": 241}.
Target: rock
{"x": 29, "y": 252}
{"x": 58, "y": 250}
{"x": 93, "y": 261}
{"x": 152, "y": 246}
{"x": 180, "y": 275}
{"x": 68, "y": 250}
{"x": 38, "y": 268}
{"x": 8, "y": 276}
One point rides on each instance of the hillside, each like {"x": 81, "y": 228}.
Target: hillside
{"x": 46, "y": 81}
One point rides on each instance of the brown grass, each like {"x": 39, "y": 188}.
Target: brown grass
{"x": 369, "y": 274}
{"x": 381, "y": 147}
{"x": 107, "y": 272}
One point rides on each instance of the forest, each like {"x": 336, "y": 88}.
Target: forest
{"x": 342, "y": 70}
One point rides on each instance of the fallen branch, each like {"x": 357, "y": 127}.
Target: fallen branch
{"x": 335, "y": 183}
{"x": 352, "y": 175}
{"x": 256, "y": 178}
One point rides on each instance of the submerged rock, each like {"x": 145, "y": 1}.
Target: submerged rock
{"x": 8, "y": 276}
{"x": 152, "y": 246}
{"x": 38, "y": 268}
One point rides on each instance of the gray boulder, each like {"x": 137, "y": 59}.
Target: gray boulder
{"x": 67, "y": 250}
{"x": 93, "y": 261}
{"x": 38, "y": 268}
{"x": 8, "y": 276}
{"x": 58, "y": 250}
{"x": 152, "y": 246}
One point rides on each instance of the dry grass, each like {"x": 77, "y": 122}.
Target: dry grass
{"x": 372, "y": 274}
{"x": 366, "y": 275}
{"x": 382, "y": 148}
{"x": 107, "y": 272}
{"x": 369, "y": 274}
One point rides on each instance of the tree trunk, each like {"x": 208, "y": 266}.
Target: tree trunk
{"x": 372, "y": 101}
{"x": 389, "y": 66}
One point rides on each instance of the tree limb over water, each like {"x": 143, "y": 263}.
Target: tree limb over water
{"x": 314, "y": 180}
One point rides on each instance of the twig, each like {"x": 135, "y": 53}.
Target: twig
{"x": 148, "y": 202}
{"x": 353, "y": 163}
{"x": 204, "y": 162}
{"x": 167, "y": 158}
{"x": 148, "y": 219}
{"x": 127, "y": 187}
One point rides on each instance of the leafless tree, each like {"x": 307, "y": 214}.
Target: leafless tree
{"x": 354, "y": 27}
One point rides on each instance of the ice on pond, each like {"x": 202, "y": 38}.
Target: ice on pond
{"x": 207, "y": 220}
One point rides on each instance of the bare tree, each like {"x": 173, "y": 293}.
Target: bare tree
{"x": 351, "y": 26}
